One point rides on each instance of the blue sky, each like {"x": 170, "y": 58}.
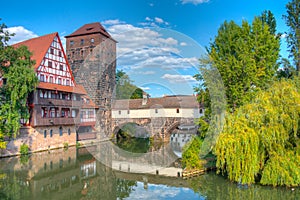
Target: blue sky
{"x": 159, "y": 40}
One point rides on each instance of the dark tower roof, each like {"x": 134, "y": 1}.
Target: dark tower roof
{"x": 90, "y": 29}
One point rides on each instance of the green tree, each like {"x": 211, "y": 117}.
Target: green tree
{"x": 125, "y": 89}
{"x": 268, "y": 18}
{"x": 261, "y": 140}
{"x": 16, "y": 70}
{"x": 286, "y": 70}
{"x": 246, "y": 57}
{"x": 292, "y": 20}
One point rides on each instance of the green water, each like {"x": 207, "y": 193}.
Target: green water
{"x": 76, "y": 174}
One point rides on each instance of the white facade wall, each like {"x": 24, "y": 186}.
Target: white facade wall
{"x": 159, "y": 112}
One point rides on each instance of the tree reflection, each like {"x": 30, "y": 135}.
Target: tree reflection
{"x": 125, "y": 187}
{"x": 216, "y": 187}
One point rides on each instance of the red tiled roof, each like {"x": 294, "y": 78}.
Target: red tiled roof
{"x": 90, "y": 29}
{"x": 90, "y": 103}
{"x": 38, "y": 46}
{"x": 78, "y": 89}
{"x": 165, "y": 102}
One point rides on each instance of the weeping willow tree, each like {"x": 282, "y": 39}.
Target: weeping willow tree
{"x": 261, "y": 140}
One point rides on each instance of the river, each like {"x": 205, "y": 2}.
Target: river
{"x": 75, "y": 173}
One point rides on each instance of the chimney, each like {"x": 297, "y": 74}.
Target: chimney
{"x": 145, "y": 98}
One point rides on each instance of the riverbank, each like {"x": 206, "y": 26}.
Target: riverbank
{"x": 14, "y": 150}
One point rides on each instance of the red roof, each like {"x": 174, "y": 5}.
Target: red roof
{"x": 88, "y": 103}
{"x": 78, "y": 89}
{"x": 38, "y": 46}
{"x": 90, "y": 29}
{"x": 180, "y": 101}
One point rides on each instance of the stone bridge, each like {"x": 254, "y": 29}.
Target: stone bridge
{"x": 160, "y": 127}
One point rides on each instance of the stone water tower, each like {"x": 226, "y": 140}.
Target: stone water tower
{"x": 91, "y": 53}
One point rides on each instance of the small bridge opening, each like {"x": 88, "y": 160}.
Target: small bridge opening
{"x": 133, "y": 138}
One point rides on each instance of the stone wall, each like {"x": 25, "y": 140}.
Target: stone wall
{"x": 39, "y": 140}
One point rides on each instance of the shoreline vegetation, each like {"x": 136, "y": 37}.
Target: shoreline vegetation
{"x": 259, "y": 142}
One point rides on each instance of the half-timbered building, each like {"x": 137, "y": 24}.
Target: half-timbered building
{"x": 55, "y": 104}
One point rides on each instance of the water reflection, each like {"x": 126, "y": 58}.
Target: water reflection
{"x": 76, "y": 174}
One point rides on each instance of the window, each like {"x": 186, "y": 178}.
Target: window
{"x": 177, "y": 110}
{"x": 49, "y": 64}
{"x": 73, "y": 113}
{"x": 91, "y": 114}
{"x": 59, "y": 53}
{"x": 52, "y": 51}
{"x": 128, "y": 112}
{"x": 51, "y": 133}
{"x": 51, "y": 79}
{"x": 61, "y": 67}
{"x": 71, "y": 43}
{"x": 81, "y": 53}
{"x": 42, "y": 78}
{"x": 59, "y": 81}
{"x": 156, "y": 110}
{"x": 44, "y": 112}
{"x": 92, "y": 40}
{"x": 45, "y": 133}
{"x": 82, "y": 41}
{"x": 60, "y": 131}
{"x": 200, "y": 111}
{"x": 119, "y": 112}
{"x": 69, "y": 131}
{"x": 67, "y": 82}
{"x": 52, "y": 112}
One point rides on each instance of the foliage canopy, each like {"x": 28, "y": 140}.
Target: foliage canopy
{"x": 19, "y": 79}
{"x": 261, "y": 139}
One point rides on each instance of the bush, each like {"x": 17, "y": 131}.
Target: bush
{"x": 191, "y": 154}
{"x": 24, "y": 149}
{"x": 66, "y": 146}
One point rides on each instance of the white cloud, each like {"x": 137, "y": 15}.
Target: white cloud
{"x": 148, "y": 19}
{"x": 183, "y": 44}
{"x": 21, "y": 34}
{"x": 151, "y": 4}
{"x": 176, "y": 78}
{"x": 140, "y": 47}
{"x": 195, "y": 2}
{"x": 112, "y": 22}
{"x": 284, "y": 35}
{"x": 145, "y": 88}
{"x": 159, "y": 20}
